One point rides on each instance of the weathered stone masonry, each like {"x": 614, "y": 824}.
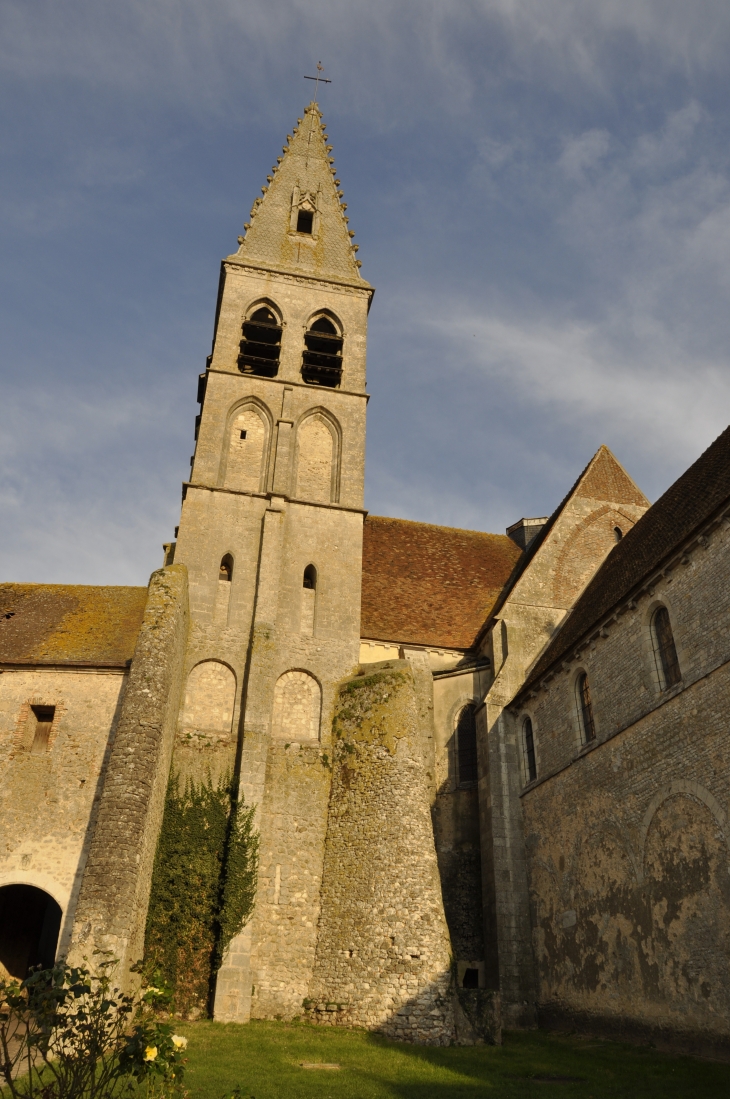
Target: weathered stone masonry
{"x": 383, "y": 952}
{"x": 112, "y": 905}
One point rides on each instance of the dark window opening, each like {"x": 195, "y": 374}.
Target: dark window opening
{"x": 529, "y": 748}
{"x": 261, "y": 344}
{"x": 470, "y": 979}
{"x": 585, "y": 708}
{"x": 322, "y": 359}
{"x": 226, "y": 570}
{"x": 243, "y": 434}
{"x": 664, "y": 648}
{"x": 466, "y": 746}
{"x": 619, "y": 533}
{"x": 305, "y": 221}
{"x": 310, "y": 577}
{"x": 30, "y": 921}
{"x": 44, "y": 716}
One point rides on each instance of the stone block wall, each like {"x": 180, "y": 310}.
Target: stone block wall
{"x": 112, "y": 904}
{"x": 627, "y": 837}
{"x": 49, "y": 798}
{"x": 383, "y": 956}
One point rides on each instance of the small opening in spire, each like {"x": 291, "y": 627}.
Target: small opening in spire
{"x": 305, "y": 222}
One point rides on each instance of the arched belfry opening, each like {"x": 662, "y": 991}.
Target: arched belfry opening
{"x": 322, "y": 359}
{"x": 261, "y": 344}
{"x": 30, "y": 921}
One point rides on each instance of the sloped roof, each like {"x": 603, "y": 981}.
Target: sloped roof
{"x": 604, "y": 478}
{"x": 655, "y": 537}
{"x": 69, "y": 624}
{"x": 429, "y": 585}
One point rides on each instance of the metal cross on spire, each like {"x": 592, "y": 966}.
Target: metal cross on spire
{"x": 318, "y": 79}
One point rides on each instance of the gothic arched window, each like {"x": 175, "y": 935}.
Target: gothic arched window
{"x": 466, "y": 746}
{"x": 310, "y": 577}
{"x": 261, "y": 344}
{"x": 528, "y": 749}
{"x": 585, "y": 708}
{"x": 665, "y": 651}
{"x": 226, "y": 568}
{"x": 322, "y": 358}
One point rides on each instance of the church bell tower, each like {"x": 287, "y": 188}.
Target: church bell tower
{"x": 271, "y": 534}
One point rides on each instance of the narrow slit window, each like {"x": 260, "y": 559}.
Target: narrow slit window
{"x": 466, "y": 746}
{"x": 310, "y": 578}
{"x": 585, "y": 708}
{"x": 618, "y": 533}
{"x": 44, "y": 716}
{"x": 528, "y": 746}
{"x": 225, "y": 573}
{"x": 305, "y": 221}
{"x": 261, "y": 345}
{"x": 243, "y": 434}
{"x": 665, "y": 651}
{"x": 322, "y": 359}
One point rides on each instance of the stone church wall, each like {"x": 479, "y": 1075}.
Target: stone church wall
{"x": 383, "y": 953}
{"x": 627, "y": 837}
{"x": 48, "y": 797}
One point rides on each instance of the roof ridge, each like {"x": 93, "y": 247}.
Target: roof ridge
{"x": 436, "y": 526}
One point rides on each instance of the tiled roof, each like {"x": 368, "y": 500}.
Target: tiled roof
{"x": 428, "y": 585}
{"x": 656, "y": 536}
{"x": 69, "y": 624}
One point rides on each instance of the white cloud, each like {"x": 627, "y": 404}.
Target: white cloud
{"x": 582, "y": 153}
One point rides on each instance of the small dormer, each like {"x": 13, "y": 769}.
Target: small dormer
{"x": 305, "y": 216}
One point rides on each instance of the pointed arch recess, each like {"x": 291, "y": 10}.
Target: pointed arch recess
{"x": 210, "y": 694}
{"x": 297, "y": 707}
{"x": 317, "y": 465}
{"x": 245, "y": 459}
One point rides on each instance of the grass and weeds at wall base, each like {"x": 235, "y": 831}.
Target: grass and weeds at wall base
{"x": 265, "y": 1060}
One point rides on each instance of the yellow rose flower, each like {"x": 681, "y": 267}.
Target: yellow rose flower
{"x": 150, "y": 1053}
{"x": 179, "y": 1042}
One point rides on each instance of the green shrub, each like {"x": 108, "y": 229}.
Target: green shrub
{"x": 67, "y": 1033}
{"x": 203, "y": 889}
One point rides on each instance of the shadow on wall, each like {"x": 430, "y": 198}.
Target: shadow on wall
{"x": 475, "y": 1015}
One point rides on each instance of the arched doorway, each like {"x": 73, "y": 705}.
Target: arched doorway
{"x": 30, "y": 921}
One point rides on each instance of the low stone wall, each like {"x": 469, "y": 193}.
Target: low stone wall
{"x": 383, "y": 956}
{"x": 114, "y": 894}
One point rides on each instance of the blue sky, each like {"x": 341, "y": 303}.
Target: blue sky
{"x": 541, "y": 194}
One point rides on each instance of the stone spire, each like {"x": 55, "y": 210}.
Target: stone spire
{"x": 300, "y": 223}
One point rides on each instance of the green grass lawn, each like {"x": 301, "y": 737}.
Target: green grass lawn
{"x": 265, "y": 1059}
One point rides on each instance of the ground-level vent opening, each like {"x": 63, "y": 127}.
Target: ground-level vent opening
{"x": 30, "y": 921}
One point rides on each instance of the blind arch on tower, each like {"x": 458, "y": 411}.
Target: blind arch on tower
{"x": 318, "y": 458}
{"x": 247, "y": 443}
{"x": 210, "y": 693}
{"x": 297, "y": 707}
